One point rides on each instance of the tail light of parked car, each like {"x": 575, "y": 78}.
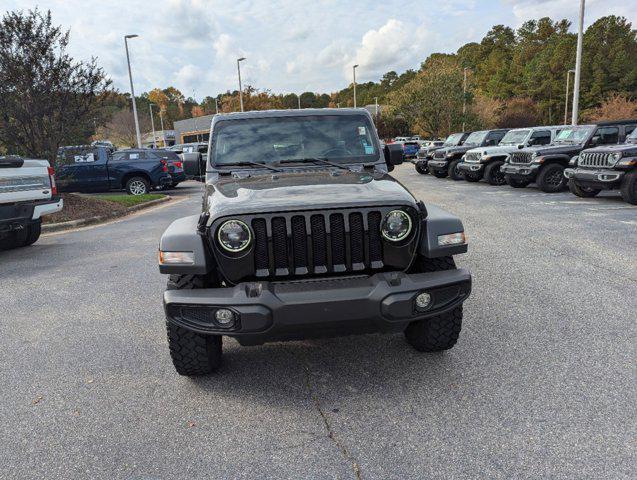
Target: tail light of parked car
{"x": 178, "y": 164}
{"x": 54, "y": 188}
{"x": 164, "y": 164}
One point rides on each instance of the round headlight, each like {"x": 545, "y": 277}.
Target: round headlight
{"x": 234, "y": 235}
{"x": 614, "y": 158}
{"x": 396, "y": 226}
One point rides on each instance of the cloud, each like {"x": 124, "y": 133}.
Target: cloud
{"x": 187, "y": 23}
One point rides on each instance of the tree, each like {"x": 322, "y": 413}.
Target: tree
{"x": 615, "y": 107}
{"x": 120, "y": 129}
{"x": 46, "y": 98}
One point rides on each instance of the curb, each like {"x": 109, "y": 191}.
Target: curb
{"x": 56, "y": 227}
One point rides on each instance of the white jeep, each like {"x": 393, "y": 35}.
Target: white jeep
{"x": 27, "y": 192}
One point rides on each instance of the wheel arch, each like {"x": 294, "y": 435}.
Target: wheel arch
{"x": 183, "y": 236}
{"x": 136, "y": 173}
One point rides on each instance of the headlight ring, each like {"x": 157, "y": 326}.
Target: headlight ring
{"x": 396, "y": 226}
{"x": 234, "y": 236}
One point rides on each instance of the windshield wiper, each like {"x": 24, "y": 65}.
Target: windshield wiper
{"x": 323, "y": 161}
{"x": 256, "y": 164}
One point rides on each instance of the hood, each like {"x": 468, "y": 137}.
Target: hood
{"x": 302, "y": 190}
{"x": 499, "y": 150}
{"x": 625, "y": 148}
{"x": 459, "y": 149}
{"x": 570, "y": 149}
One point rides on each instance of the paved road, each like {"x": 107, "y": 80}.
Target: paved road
{"x": 541, "y": 383}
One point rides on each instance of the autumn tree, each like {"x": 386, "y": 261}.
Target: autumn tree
{"x": 120, "y": 128}
{"x": 615, "y": 107}
{"x": 47, "y": 99}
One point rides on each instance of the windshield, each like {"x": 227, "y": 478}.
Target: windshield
{"x": 476, "y": 138}
{"x": 514, "y": 137}
{"x": 573, "y": 135}
{"x": 452, "y": 140}
{"x": 347, "y": 138}
{"x": 632, "y": 138}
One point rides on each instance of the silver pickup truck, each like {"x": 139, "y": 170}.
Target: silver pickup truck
{"x": 27, "y": 192}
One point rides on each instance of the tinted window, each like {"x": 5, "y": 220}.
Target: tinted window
{"x": 607, "y": 135}
{"x": 540, "y": 137}
{"x": 119, "y": 156}
{"x": 335, "y": 137}
{"x": 630, "y": 129}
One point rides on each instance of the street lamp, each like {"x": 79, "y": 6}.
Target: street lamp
{"x": 163, "y": 132}
{"x": 568, "y": 77}
{"x": 152, "y": 124}
{"x": 132, "y": 91}
{"x": 464, "y": 98}
{"x": 578, "y": 64}
{"x": 216, "y": 106}
{"x": 354, "y": 75}
{"x": 298, "y": 97}
{"x": 239, "y": 60}
{"x": 376, "y": 104}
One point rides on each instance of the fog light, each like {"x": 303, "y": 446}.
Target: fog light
{"x": 423, "y": 300}
{"x": 224, "y": 317}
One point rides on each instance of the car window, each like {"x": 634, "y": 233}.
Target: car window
{"x": 70, "y": 156}
{"x": 119, "y": 156}
{"x": 606, "y": 135}
{"x": 630, "y": 129}
{"x": 540, "y": 137}
{"x": 514, "y": 137}
{"x": 132, "y": 156}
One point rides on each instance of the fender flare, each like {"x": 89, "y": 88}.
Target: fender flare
{"x": 556, "y": 158}
{"x": 439, "y": 222}
{"x": 182, "y": 236}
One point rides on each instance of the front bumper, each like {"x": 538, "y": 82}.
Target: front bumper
{"x": 438, "y": 164}
{"x": 470, "y": 167}
{"x": 604, "y": 178}
{"x": 271, "y": 311}
{"x": 526, "y": 171}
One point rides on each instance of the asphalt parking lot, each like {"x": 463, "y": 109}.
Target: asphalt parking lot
{"x": 540, "y": 385}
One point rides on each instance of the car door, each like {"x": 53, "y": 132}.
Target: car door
{"x": 539, "y": 137}
{"x": 605, "y": 136}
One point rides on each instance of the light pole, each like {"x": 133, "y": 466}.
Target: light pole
{"x": 163, "y": 132}
{"x": 568, "y": 77}
{"x": 216, "y": 106}
{"x": 152, "y": 124}
{"x": 578, "y": 64}
{"x": 464, "y": 98}
{"x": 354, "y": 74}
{"x": 239, "y": 60}
{"x": 376, "y": 105}
{"x": 132, "y": 91}
{"x": 298, "y": 97}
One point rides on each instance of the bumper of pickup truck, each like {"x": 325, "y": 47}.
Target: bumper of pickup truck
{"x": 15, "y": 216}
{"x": 526, "y": 171}
{"x": 595, "y": 178}
{"x": 273, "y": 311}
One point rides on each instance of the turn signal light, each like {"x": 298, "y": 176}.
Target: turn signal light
{"x": 176, "y": 258}
{"x": 452, "y": 239}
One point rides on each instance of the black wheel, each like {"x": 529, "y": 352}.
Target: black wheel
{"x": 453, "y": 171}
{"x": 581, "y": 191}
{"x": 628, "y": 188}
{"x": 551, "y": 178}
{"x": 137, "y": 186}
{"x": 438, "y": 173}
{"x": 421, "y": 167}
{"x": 442, "y": 331}
{"x": 192, "y": 353}
{"x": 493, "y": 175}
{"x": 515, "y": 182}
{"x": 33, "y": 232}
{"x": 472, "y": 177}
{"x": 15, "y": 239}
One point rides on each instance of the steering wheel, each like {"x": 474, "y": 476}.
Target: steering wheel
{"x": 344, "y": 150}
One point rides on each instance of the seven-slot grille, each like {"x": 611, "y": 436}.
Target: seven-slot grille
{"x": 439, "y": 155}
{"x": 521, "y": 157}
{"x": 472, "y": 157}
{"x": 316, "y": 243}
{"x": 593, "y": 159}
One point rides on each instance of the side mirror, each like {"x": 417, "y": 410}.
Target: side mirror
{"x": 522, "y": 146}
{"x": 595, "y": 140}
{"x": 393, "y": 155}
{"x": 193, "y": 164}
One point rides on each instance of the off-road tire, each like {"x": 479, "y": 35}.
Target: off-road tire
{"x": 628, "y": 188}
{"x": 515, "y": 182}
{"x": 438, "y": 173}
{"x": 192, "y": 353}
{"x": 493, "y": 175}
{"x": 137, "y": 186}
{"x": 546, "y": 179}
{"x": 421, "y": 168}
{"x": 453, "y": 172}
{"x": 472, "y": 177}
{"x": 584, "y": 192}
{"x": 442, "y": 331}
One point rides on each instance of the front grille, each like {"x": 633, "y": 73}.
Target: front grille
{"x": 421, "y": 154}
{"x": 472, "y": 157}
{"x": 521, "y": 157}
{"x": 439, "y": 155}
{"x": 594, "y": 159}
{"x": 317, "y": 243}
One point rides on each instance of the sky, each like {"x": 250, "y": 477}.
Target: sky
{"x": 289, "y": 45}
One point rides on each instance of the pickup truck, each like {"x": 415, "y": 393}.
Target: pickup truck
{"x": 90, "y": 168}
{"x": 27, "y": 192}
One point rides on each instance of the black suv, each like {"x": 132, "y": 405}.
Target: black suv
{"x": 302, "y": 233}
{"x": 545, "y": 165}
{"x": 426, "y": 153}
{"x": 606, "y": 168}
{"x": 445, "y": 161}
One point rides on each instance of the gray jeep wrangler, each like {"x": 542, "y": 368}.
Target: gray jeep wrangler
{"x": 303, "y": 233}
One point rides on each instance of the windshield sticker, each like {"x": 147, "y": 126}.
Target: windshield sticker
{"x": 361, "y": 131}
{"x": 369, "y": 149}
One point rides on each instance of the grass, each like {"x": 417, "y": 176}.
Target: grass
{"x": 129, "y": 200}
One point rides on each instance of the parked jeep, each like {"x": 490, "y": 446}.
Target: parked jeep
{"x": 606, "y": 168}
{"x": 485, "y": 162}
{"x": 303, "y": 233}
{"x": 446, "y": 160}
{"x": 426, "y": 153}
{"x": 545, "y": 165}
{"x": 27, "y": 193}
{"x": 88, "y": 168}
